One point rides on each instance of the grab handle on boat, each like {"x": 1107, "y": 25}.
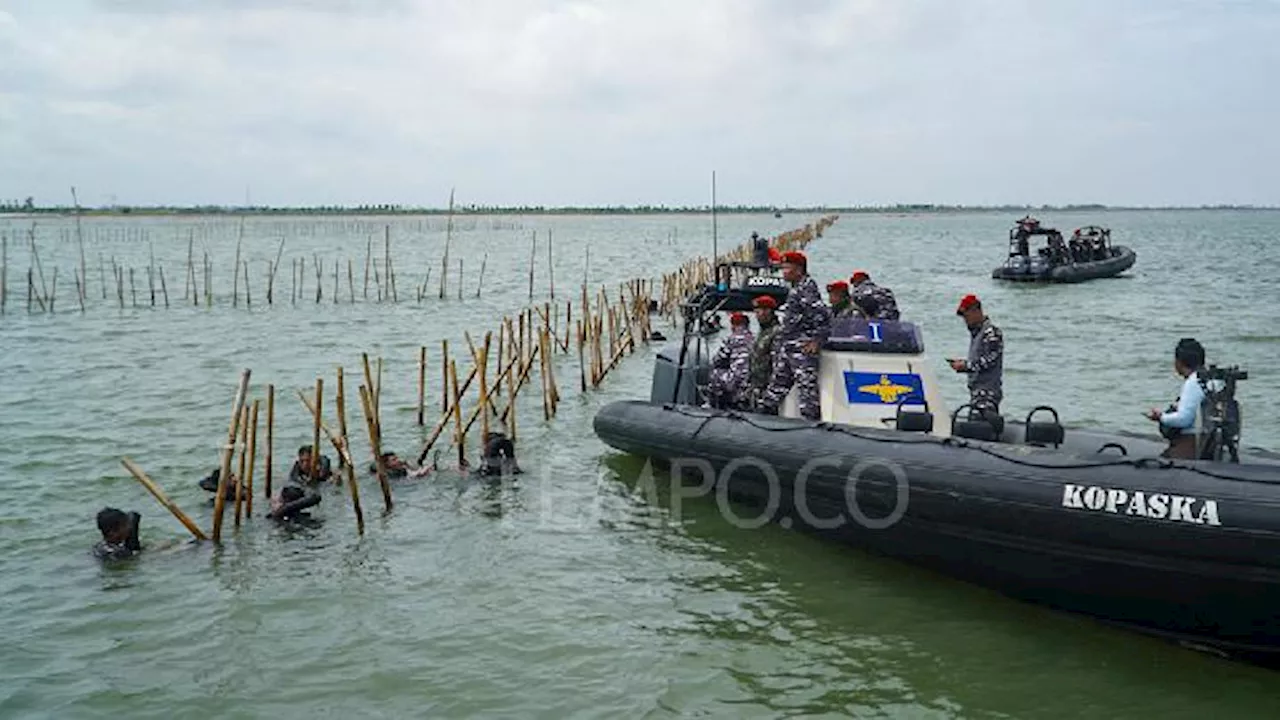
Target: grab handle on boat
{"x": 1117, "y": 446}
{"x": 1043, "y": 433}
{"x": 913, "y": 421}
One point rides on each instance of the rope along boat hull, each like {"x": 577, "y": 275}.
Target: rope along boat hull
{"x": 1187, "y": 551}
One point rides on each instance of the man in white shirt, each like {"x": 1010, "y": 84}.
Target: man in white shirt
{"x": 1179, "y": 424}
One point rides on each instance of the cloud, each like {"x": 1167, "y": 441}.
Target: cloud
{"x": 608, "y": 101}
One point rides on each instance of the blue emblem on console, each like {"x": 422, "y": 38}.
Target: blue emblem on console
{"x": 883, "y": 388}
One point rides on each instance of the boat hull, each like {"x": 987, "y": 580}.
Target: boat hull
{"x": 1064, "y": 529}
{"x": 1075, "y": 272}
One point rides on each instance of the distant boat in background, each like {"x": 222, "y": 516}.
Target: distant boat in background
{"x": 1089, "y": 255}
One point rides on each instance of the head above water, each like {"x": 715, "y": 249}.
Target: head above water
{"x": 113, "y": 524}
{"x": 1188, "y": 356}
{"x": 304, "y": 451}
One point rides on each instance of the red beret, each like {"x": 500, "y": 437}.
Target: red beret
{"x": 738, "y": 319}
{"x": 838, "y": 285}
{"x": 859, "y": 275}
{"x": 774, "y": 255}
{"x": 764, "y": 301}
{"x": 795, "y": 257}
{"x": 967, "y": 302}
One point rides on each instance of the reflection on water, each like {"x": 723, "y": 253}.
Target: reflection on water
{"x": 567, "y": 590}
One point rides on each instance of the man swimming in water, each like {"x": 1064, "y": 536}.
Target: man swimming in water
{"x": 301, "y": 472}
{"x": 499, "y": 455}
{"x": 292, "y": 502}
{"x": 210, "y": 484}
{"x": 394, "y": 465}
{"x": 119, "y": 534}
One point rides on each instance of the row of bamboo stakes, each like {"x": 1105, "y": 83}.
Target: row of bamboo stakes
{"x": 608, "y": 327}
{"x": 123, "y": 283}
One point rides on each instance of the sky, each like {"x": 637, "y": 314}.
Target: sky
{"x": 628, "y": 102}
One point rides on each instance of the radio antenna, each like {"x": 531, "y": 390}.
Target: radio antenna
{"x": 715, "y": 255}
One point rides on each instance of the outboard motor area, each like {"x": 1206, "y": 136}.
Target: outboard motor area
{"x": 676, "y": 378}
{"x": 874, "y": 373}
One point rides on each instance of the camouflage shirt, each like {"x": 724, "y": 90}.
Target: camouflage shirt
{"x": 762, "y": 355}
{"x": 876, "y": 302}
{"x": 734, "y": 356}
{"x": 805, "y": 316}
{"x": 985, "y": 363}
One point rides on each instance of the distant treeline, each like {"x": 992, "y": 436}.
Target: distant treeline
{"x": 29, "y": 207}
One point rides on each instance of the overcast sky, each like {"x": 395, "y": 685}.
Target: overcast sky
{"x": 637, "y": 101}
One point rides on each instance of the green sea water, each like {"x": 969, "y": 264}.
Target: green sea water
{"x": 577, "y": 590}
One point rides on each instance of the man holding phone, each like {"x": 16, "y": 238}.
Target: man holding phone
{"x": 985, "y": 363}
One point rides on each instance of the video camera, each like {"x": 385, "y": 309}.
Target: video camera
{"x": 1221, "y": 412}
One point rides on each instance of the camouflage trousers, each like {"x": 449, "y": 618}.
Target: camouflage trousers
{"x": 727, "y": 390}
{"x": 985, "y": 400}
{"x": 792, "y": 367}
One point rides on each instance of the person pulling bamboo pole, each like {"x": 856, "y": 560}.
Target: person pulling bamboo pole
{"x": 372, "y": 424}
{"x": 219, "y": 500}
{"x": 164, "y": 500}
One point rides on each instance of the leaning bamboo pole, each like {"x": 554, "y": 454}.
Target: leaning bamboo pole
{"x": 244, "y": 448}
{"x": 164, "y": 500}
{"x": 219, "y": 501}
{"x": 315, "y": 436}
{"x": 346, "y": 445}
{"x": 422, "y": 383}
{"x": 371, "y": 423}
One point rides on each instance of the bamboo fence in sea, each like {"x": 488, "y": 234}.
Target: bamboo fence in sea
{"x": 605, "y": 327}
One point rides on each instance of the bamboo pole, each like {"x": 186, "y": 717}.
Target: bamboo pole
{"x": 79, "y": 290}
{"x": 533, "y": 255}
{"x": 244, "y": 448}
{"x": 484, "y": 390}
{"x": 219, "y": 501}
{"x": 461, "y": 277}
{"x": 459, "y": 438}
{"x": 133, "y": 288}
{"x": 371, "y": 423}
{"x": 351, "y": 281}
{"x": 444, "y": 375}
{"x": 368, "y": 253}
{"x": 336, "y": 286}
{"x": 315, "y": 437}
{"x": 293, "y": 281}
{"x": 271, "y": 277}
{"x": 235, "y": 280}
{"x": 164, "y": 500}
{"x": 551, "y": 269}
{"x": 253, "y": 456}
{"x": 390, "y": 272}
{"x": 448, "y": 238}
{"x": 208, "y": 281}
{"x": 377, "y": 397}
{"x": 480, "y": 283}
{"x": 346, "y": 445}
{"x": 164, "y": 289}
{"x": 582, "y": 363}
{"x": 84, "y": 269}
{"x": 271, "y": 424}
{"x": 422, "y": 383}
{"x": 248, "y": 301}
{"x": 102, "y": 276}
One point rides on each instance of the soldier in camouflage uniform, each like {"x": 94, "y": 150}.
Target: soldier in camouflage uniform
{"x": 841, "y": 305}
{"x": 985, "y": 363}
{"x": 730, "y": 368}
{"x": 806, "y": 322}
{"x": 761, "y": 367}
{"x": 872, "y": 300}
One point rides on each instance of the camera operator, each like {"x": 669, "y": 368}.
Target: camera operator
{"x": 1178, "y": 425}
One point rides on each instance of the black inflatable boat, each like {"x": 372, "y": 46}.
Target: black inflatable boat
{"x": 1087, "y": 522}
{"x": 1088, "y": 255}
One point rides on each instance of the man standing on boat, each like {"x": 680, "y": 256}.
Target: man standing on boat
{"x": 1178, "y": 425}
{"x": 873, "y": 301}
{"x": 841, "y": 305}
{"x": 985, "y": 363}
{"x": 761, "y": 366}
{"x": 806, "y": 322}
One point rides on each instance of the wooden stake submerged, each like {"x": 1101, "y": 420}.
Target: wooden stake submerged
{"x": 219, "y": 501}
{"x": 271, "y": 422}
{"x": 244, "y": 448}
{"x": 164, "y": 500}
{"x": 350, "y": 462}
{"x": 253, "y": 456}
{"x": 422, "y": 383}
{"x": 372, "y": 424}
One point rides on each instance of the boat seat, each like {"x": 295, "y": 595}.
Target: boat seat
{"x": 913, "y": 420}
{"x": 1043, "y": 433}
